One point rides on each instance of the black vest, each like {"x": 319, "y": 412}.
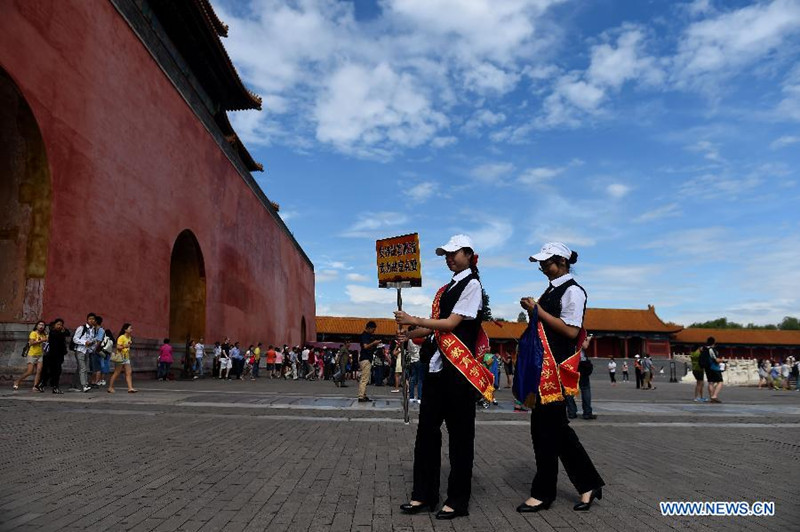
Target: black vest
{"x": 466, "y": 331}
{"x": 562, "y": 347}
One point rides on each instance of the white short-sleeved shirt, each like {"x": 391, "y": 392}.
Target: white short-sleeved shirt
{"x": 468, "y": 305}
{"x": 612, "y": 366}
{"x": 572, "y": 302}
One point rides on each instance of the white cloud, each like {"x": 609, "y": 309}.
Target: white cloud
{"x": 422, "y": 191}
{"x": 357, "y": 277}
{"x": 557, "y": 233}
{"x": 492, "y": 172}
{"x": 576, "y": 95}
{"x": 481, "y": 119}
{"x": 493, "y": 234}
{"x": 535, "y": 176}
{"x": 784, "y": 141}
{"x": 370, "y": 224}
{"x": 324, "y": 276}
{"x": 374, "y": 110}
{"x": 618, "y": 190}
{"x": 443, "y": 142}
{"x": 709, "y": 150}
{"x": 374, "y": 89}
{"x": 612, "y": 66}
{"x": 723, "y": 44}
{"x": 486, "y": 78}
{"x": 665, "y": 211}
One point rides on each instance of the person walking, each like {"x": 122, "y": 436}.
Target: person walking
{"x": 199, "y": 355}
{"x": 122, "y": 358}
{"x": 452, "y": 353}
{"x": 709, "y": 358}
{"x": 84, "y": 340}
{"x": 637, "y": 368}
{"x": 585, "y": 368}
{"x": 368, "y": 344}
{"x": 416, "y": 371}
{"x": 612, "y": 371}
{"x": 625, "y": 371}
{"x": 52, "y": 360}
{"x": 165, "y": 360}
{"x": 33, "y": 358}
{"x": 342, "y": 356}
{"x": 697, "y": 372}
{"x": 560, "y": 310}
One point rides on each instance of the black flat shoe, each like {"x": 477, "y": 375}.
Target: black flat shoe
{"x": 442, "y": 515}
{"x": 525, "y": 508}
{"x": 584, "y": 506}
{"x": 409, "y": 508}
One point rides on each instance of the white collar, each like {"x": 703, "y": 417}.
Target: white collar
{"x": 460, "y": 276}
{"x": 561, "y": 280}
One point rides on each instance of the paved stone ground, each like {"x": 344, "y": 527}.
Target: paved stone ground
{"x": 276, "y": 455}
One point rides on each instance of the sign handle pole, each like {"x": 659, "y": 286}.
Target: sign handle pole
{"x": 403, "y": 363}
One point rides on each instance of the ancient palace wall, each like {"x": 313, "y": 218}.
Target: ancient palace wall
{"x": 131, "y": 169}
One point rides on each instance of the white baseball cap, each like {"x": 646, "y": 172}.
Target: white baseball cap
{"x": 455, "y": 243}
{"x": 550, "y": 249}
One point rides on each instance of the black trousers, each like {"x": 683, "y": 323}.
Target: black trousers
{"x": 51, "y": 370}
{"x": 639, "y": 379}
{"x": 448, "y": 398}
{"x": 553, "y": 438}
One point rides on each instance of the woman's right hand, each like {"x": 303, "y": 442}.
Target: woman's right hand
{"x": 527, "y": 303}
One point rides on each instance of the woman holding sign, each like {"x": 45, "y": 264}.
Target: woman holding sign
{"x": 560, "y": 310}
{"x": 454, "y": 379}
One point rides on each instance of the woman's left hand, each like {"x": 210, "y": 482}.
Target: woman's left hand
{"x": 402, "y": 318}
{"x": 527, "y": 303}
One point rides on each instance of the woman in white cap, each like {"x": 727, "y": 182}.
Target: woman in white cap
{"x": 449, "y": 395}
{"x": 560, "y": 310}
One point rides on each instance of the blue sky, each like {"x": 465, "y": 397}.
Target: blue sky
{"x": 659, "y": 139}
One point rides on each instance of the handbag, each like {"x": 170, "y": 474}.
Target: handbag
{"x": 25, "y": 350}
{"x": 116, "y": 357}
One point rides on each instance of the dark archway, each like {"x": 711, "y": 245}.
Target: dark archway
{"x": 25, "y": 203}
{"x": 187, "y": 289}
{"x": 303, "y": 331}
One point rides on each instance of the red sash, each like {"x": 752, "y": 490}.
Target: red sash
{"x": 461, "y": 357}
{"x": 558, "y": 377}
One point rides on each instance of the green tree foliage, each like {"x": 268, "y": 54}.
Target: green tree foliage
{"x": 789, "y": 323}
{"x": 522, "y": 318}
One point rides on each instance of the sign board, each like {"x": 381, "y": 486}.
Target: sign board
{"x": 398, "y": 261}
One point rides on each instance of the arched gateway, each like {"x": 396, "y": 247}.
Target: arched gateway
{"x": 187, "y": 289}
{"x": 25, "y": 202}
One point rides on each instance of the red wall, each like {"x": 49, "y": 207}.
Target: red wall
{"x": 131, "y": 168}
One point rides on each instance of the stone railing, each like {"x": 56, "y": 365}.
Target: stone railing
{"x": 738, "y": 371}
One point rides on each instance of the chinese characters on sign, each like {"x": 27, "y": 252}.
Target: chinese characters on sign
{"x": 398, "y": 260}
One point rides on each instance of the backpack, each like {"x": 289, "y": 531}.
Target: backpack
{"x": 705, "y": 358}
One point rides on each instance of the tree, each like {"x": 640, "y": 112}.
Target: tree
{"x": 719, "y": 323}
{"x": 789, "y": 323}
{"x": 522, "y": 318}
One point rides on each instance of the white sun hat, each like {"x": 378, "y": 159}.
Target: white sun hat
{"x": 455, "y": 243}
{"x": 550, "y": 249}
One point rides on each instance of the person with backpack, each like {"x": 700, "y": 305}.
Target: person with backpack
{"x": 33, "y": 353}
{"x": 699, "y": 375}
{"x": 85, "y": 340}
{"x": 637, "y": 368}
{"x": 710, "y": 363}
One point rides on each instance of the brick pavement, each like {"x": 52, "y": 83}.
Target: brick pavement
{"x": 164, "y": 460}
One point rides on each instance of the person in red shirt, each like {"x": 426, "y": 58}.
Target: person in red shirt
{"x": 164, "y": 360}
{"x": 271, "y": 355}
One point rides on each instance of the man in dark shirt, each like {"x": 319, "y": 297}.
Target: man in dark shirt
{"x": 54, "y": 357}
{"x": 368, "y": 345}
